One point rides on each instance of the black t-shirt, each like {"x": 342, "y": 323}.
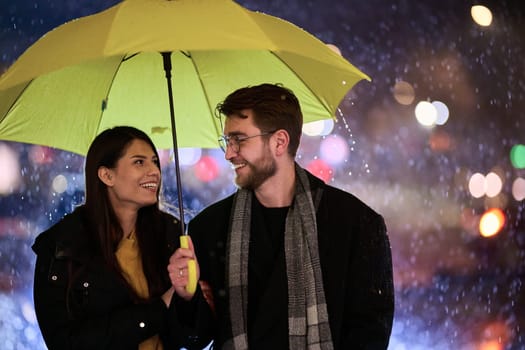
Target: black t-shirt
{"x": 267, "y": 281}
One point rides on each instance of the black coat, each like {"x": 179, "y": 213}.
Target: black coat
{"x": 103, "y": 314}
{"x": 355, "y": 262}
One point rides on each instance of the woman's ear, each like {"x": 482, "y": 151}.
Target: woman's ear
{"x": 106, "y": 176}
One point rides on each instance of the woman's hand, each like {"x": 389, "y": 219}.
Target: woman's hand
{"x": 178, "y": 269}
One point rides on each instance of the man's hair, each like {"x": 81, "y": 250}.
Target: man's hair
{"x": 274, "y": 107}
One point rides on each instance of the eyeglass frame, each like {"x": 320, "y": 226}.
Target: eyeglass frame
{"x": 234, "y": 141}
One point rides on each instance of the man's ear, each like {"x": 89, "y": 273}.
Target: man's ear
{"x": 282, "y": 140}
{"x": 106, "y": 176}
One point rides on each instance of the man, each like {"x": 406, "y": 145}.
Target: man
{"x": 288, "y": 262}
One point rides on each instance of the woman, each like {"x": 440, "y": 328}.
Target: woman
{"x": 102, "y": 279}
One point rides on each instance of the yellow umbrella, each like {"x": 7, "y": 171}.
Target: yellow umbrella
{"x": 106, "y": 70}
{"x": 115, "y": 67}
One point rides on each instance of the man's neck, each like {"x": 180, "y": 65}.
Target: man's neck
{"x": 278, "y": 191}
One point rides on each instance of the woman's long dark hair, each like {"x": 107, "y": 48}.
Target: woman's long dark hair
{"x": 103, "y": 225}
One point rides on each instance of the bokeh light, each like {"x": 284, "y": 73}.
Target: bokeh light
{"x": 318, "y": 128}
{"x": 491, "y": 222}
{"x": 518, "y": 189}
{"x": 492, "y": 344}
{"x": 29, "y": 312}
{"x": 493, "y": 184}
{"x": 189, "y": 156}
{"x": 440, "y": 141}
{"x": 41, "y": 155}
{"x": 426, "y": 113}
{"x": 321, "y": 169}
{"x": 404, "y": 93}
{"x": 489, "y": 185}
{"x": 334, "y": 150}
{"x": 495, "y": 336}
{"x": 334, "y": 49}
{"x": 59, "y": 184}
{"x": 9, "y": 170}
{"x": 476, "y": 185}
{"x": 206, "y": 169}
{"x": 481, "y": 15}
{"x": 517, "y": 156}
{"x": 442, "y": 112}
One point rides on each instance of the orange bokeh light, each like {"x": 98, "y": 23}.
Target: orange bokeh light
{"x": 491, "y": 222}
{"x": 491, "y": 345}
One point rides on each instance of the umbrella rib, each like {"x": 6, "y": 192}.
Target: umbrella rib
{"x": 304, "y": 83}
{"x": 130, "y": 56}
{"x": 190, "y": 56}
{"x": 105, "y": 100}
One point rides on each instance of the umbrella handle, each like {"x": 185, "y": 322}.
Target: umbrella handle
{"x": 191, "y": 287}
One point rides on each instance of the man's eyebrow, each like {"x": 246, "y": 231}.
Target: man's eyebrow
{"x": 236, "y": 133}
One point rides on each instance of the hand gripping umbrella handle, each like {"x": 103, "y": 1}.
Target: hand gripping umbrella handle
{"x": 191, "y": 287}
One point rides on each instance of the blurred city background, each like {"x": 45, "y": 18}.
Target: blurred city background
{"x": 435, "y": 143}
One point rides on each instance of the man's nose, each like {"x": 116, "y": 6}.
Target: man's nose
{"x": 229, "y": 152}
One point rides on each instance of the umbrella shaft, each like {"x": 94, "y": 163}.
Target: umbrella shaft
{"x": 166, "y": 56}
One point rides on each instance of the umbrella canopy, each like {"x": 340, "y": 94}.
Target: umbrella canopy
{"x": 106, "y": 69}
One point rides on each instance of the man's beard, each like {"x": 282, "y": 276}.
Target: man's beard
{"x": 260, "y": 171}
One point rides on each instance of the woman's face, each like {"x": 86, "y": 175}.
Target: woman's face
{"x": 133, "y": 183}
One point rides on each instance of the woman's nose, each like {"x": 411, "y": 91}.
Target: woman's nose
{"x": 153, "y": 169}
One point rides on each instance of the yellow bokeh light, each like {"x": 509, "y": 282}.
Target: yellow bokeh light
{"x": 491, "y": 222}
{"x": 334, "y": 49}
{"x": 481, "y": 15}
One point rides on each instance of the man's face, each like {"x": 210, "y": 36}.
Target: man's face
{"x": 250, "y": 156}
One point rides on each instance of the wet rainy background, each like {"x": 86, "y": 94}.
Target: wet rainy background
{"x": 433, "y": 143}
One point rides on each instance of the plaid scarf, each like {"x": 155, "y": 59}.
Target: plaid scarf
{"x": 307, "y": 313}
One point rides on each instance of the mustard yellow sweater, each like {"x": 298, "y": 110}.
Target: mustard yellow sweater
{"x": 128, "y": 256}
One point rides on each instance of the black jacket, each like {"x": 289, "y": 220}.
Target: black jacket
{"x": 102, "y": 314}
{"x": 355, "y": 262}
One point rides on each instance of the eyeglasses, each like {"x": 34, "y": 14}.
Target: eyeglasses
{"x": 234, "y": 141}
